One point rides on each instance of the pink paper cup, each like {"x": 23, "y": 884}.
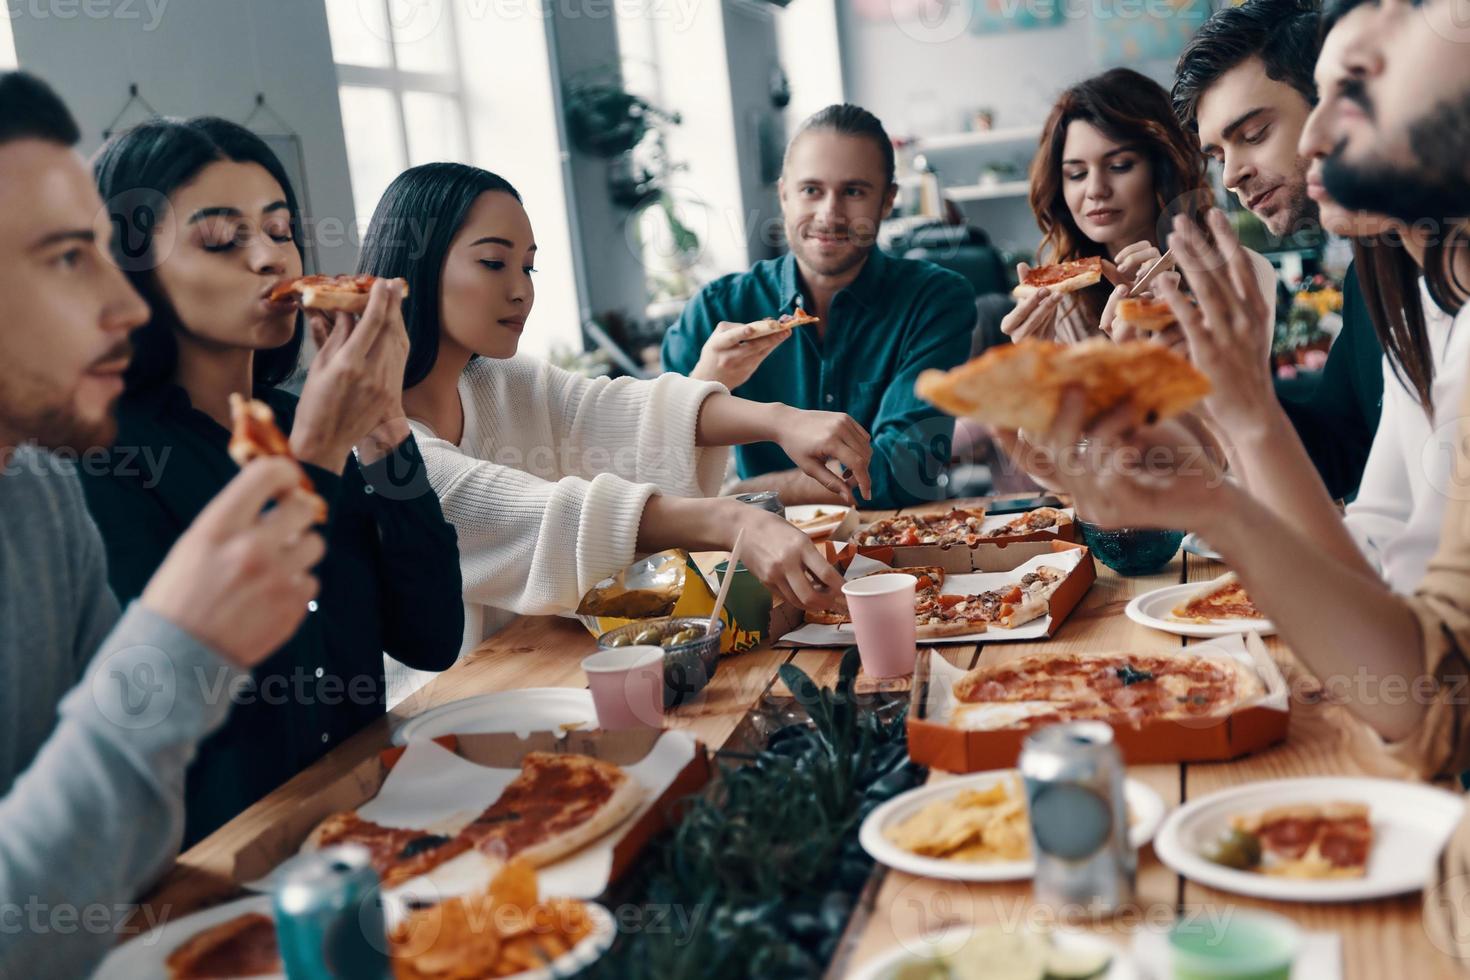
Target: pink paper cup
{"x": 627, "y": 687}
{"x": 882, "y": 610}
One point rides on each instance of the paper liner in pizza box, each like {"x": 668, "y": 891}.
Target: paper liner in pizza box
{"x": 439, "y": 785}
{"x": 659, "y": 586}
{"x": 999, "y": 568}
{"x": 1246, "y": 727}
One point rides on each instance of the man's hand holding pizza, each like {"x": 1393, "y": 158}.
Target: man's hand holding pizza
{"x": 1227, "y": 330}
{"x": 734, "y": 351}
{"x": 1123, "y": 476}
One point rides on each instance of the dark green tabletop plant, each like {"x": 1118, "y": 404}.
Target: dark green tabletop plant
{"x": 761, "y": 875}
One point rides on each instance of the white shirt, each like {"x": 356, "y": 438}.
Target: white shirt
{"x": 547, "y": 485}
{"x": 1400, "y": 506}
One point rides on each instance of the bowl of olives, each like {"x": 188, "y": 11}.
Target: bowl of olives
{"x": 691, "y": 651}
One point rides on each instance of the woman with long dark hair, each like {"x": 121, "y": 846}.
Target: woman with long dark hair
{"x": 207, "y": 226}
{"x": 554, "y": 480}
{"x": 1113, "y": 168}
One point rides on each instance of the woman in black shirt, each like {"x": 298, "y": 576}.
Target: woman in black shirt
{"x": 207, "y": 224}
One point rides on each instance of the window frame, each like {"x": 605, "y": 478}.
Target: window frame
{"x": 398, "y": 81}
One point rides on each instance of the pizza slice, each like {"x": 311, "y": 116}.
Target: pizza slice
{"x": 558, "y": 804}
{"x": 930, "y": 579}
{"x": 244, "y": 946}
{"x": 1021, "y": 385}
{"x": 1062, "y": 277}
{"x": 254, "y": 434}
{"x": 1040, "y": 519}
{"x": 1043, "y": 581}
{"x": 1224, "y": 598}
{"x": 779, "y": 324}
{"x": 397, "y": 854}
{"x": 902, "y": 530}
{"x": 1301, "y": 840}
{"x": 330, "y": 294}
{"x": 937, "y": 616}
{"x": 1145, "y": 314}
{"x": 960, "y": 526}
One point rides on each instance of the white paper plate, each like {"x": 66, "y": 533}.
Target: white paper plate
{"x": 1152, "y": 609}
{"x": 1411, "y": 822}
{"x": 535, "y": 709}
{"x": 884, "y": 966}
{"x": 1145, "y": 807}
{"x": 802, "y": 512}
{"x": 145, "y": 956}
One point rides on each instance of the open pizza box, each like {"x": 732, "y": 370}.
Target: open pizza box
{"x": 968, "y": 574}
{"x": 1250, "y": 727}
{"x": 428, "y": 783}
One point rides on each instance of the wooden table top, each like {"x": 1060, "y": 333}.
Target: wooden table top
{"x": 1379, "y": 938}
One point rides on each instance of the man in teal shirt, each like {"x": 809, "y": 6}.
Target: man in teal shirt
{"x": 883, "y": 320}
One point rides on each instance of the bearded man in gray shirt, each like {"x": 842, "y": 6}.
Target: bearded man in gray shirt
{"x": 100, "y": 708}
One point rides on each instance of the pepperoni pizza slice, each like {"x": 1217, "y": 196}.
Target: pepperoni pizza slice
{"x": 330, "y": 294}
{"x": 1063, "y": 277}
{"x": 778, "y": 324}
{"x": 1310, "y": 840}
{"x": 254, "y": 434}
{"x": 1224, "y": 598}
{"x": 244, "y": 946}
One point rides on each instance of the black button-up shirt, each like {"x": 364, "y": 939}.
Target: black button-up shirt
{"x": 390, "y": 583}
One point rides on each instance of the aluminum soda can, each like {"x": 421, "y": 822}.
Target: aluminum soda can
{"x": 1073, "y": 775}
{"x": 764, "y": 499}
{"x": 329, "y": 916}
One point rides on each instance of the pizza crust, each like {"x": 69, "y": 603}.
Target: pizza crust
{"x": 1021, "y": 385}
{"x": 625, "y": 800}
{"x": 775, "y": 324}
{"x": 1147, "y": 315}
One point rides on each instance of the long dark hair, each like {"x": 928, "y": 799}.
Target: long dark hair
{"x": 135, "y": 172}
{"x": 1130, "y": 108}
{"x": 1389, "y": 278}
{"x": 419, "y": 215}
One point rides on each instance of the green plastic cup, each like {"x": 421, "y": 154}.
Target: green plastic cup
{"x": 749, "y": 602}
{"x": 1250, "y": 946}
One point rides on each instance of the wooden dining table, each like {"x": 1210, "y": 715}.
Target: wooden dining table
{"x": 1381, "y": 938}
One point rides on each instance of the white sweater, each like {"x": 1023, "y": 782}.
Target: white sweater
{"x": 1400, "y": 506}
{"x": 548, "y": 484}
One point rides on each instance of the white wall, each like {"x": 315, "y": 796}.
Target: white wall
{"x": 198, "y": 57}
{"x": 923, "y": 79}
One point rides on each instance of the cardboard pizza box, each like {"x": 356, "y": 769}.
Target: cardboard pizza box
{"x": 1249, "y": 728}
{"x": 960, "y": 562}
{"x": 283, "y": 839}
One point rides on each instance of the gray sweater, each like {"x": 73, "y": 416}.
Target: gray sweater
{"x": 99, "y": 716}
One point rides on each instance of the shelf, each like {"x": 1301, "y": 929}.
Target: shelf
{"x": 988, "y": 192}
{"x": 988, "y": 137}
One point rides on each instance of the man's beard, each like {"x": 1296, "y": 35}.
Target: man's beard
{"x": 1437, "y": 186}
{"x": 836, "y": 265}
{"x": 53, "y": 426}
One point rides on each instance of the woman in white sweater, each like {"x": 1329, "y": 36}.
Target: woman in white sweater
{"x": 553, "y": 480}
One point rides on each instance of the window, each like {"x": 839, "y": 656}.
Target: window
{"x": 400, "y": 89}
{"x": 7, "y": 43}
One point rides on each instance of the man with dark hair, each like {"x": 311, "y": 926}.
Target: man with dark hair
{"x": 1413, "y": 85}
{"x": 882, "y": 319}
{"x": 1245, "y": 83}
{"x": 101, "y": 708}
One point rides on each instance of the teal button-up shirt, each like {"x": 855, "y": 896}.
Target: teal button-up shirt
{"x": 899, "y": 317}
